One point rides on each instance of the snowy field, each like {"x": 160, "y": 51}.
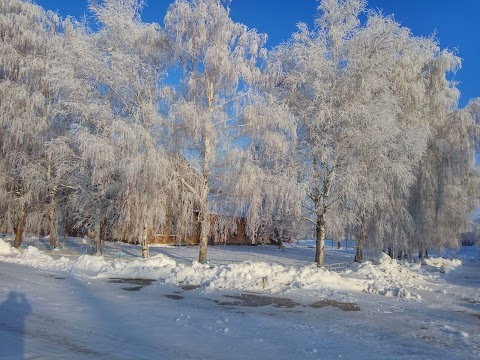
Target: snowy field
{"x": 255, "y": 302}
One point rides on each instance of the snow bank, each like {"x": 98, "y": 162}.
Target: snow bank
{"x": 385, "y": 277}
{"x": 156, "y": 267}
{"x": 258, "y": 276}
{"x": 391, "y": 279}
{"x": 248, "y": 276}
{"x": 439, "y": 262}
{"x": 6, "y": 249}
{"x": 445, "y": 265}
{"x": 31, "y": 256}
{"x": 89, "y": 265}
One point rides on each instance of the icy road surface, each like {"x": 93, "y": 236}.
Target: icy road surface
{"x": 56, "y": 315}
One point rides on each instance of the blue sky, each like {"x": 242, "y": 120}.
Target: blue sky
{"x": 456, "y": 23}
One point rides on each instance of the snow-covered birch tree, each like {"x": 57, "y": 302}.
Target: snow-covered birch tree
{"x": 123, "y": 154}
{"x": 267, "y": 173}
{"x": 388, "y": 85}
{"x": 33, "y": 105}
{"x": 312, "y": 71}
{"x": 446, "y": 187}
{"x": 218, "y": 59}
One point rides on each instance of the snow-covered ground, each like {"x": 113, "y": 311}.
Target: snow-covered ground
{"x": 247, "y": 303}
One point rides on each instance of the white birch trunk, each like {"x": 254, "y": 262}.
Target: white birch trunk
{"x": 203, "y": 215}
{"x": 20, "y": 223}
{"x": 144, "y": 242}
{"x": 97, "y": 243}
{"x": 52, "y": 211}
{"x": 320, "y": 241}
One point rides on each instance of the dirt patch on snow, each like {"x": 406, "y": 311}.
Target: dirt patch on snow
{"x": 252, "y": 300}
{"x": 141, "y": 283}
{"x": 344, "y": 306}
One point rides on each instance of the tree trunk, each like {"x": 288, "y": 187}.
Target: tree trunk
{"x": 320, "y": 241}
{"x": 52, "y": 215}
{"x": 400, "y": 255}
{"x": 362, "y": 237}
{"x": 204, "y": 231}
{"x": 102, "y": 235}
{"x": 52, "y": 211}
{"x": 20, "y": 224}
{"x": 145, "y": 253}
{"x": 339, "y": 245}
{"x": 203, "y": 215}
{"x": 278, "y": 237}
{"x": 390, "y": 252}
{"x": 97, "y": 242}
{"x": 409, "y": 254}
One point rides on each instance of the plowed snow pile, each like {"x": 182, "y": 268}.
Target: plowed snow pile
{"x": 259, "y": 276}
{"x": 6, "y": 249}
{"x": 392, "y": 279}
{"x": 35, "y": 258}
{"x": 445, "y": 265}
{"x": 155, "y": 267}
{"x": 385, "y": 277}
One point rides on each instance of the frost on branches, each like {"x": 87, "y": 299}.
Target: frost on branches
{"x": 186, "y": 126}
{"x": 218, "y": 60}
{"x": 360, "y": 94}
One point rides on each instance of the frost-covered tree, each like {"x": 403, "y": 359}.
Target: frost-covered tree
{"x": 88, "y": 111}
{"x": 126, "y": 171}
{"x": 34, "y": 108}
{"x": 369, "y": 102}
{"x": 267, "y": 173}
{"x": 312, "y": 74}
{"x": 473, "y": 108}
{"x": 389, "y": 84}
{"x": 218, "y": 59}
{"x": 446, "y": 187}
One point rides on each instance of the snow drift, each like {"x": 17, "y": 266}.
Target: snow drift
{"x": 6, "y": 249}
{"x": 386, "y": 276}
{"x": 390, "y": 278}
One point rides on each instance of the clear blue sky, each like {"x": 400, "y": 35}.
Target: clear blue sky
{"x": 456, "y": 22}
